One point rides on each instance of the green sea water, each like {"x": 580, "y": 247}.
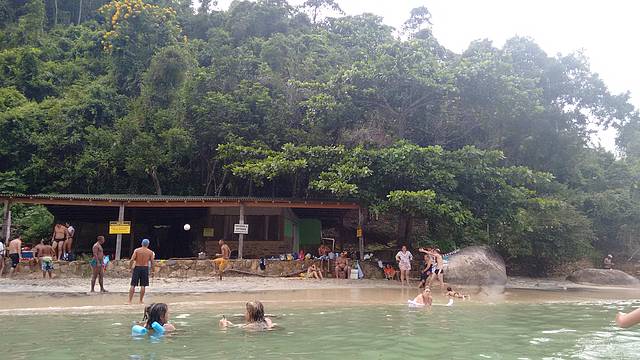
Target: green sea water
{"x": 576, "y": 330}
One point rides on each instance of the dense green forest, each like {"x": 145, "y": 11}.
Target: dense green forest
{"x": 264, "y": 99}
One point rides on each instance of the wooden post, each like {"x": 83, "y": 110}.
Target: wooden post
{"x": 361, "y": 237}
{"x": 6, "y": 222}
{"x": 241, "y": 236}
{"x": 119, "y": 236}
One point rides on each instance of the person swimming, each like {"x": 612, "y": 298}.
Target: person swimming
{"x": 454, "y": 294}
{"x": 422, "y": 299}
{"x": 157, "y": 312}
{"x": 254, "y": 318}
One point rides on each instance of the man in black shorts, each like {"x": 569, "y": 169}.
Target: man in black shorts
{"x": 143, "y": 258}
{"x": 15, "y": 253}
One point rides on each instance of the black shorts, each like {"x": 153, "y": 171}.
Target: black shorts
{"x": 15, "y": 260}
{"x": 140, "y": 276}
{"x": 425, "y": 275}
{"x": 439, "y": 271}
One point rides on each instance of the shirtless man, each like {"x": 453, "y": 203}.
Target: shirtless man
{"x": 223, "y": 258}
{"x": 342, "y": 266}
{"x": 438, "y": 267}
{"x": 96, "y": 264}
{"x": 15, "y": 253}
{"x": 68, "y": 242}
{"x": 57, "y": 240}
{"x": 143, "y": 258}
{"x": 44, "y": 253}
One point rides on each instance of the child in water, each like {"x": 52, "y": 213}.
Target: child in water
{"x": 254, "y": 317}
{"x": 454, "y": 294}
{"x": 424, "y": 298}
{"x": 157, "y": 312}
{"x": 627, "y": 320}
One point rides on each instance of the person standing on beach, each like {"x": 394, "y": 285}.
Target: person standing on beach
{"x": 68, "y": 242}
{"x": 96, "y": 264}
{"x": 44, "y": 253}
{"x": 2, "y": 255}
{"x": 223, "y": 257}
{"x": 404, "y": 257}
{"x": 15, "y": 253}
{"x": 143, "y": 258}
{"x": 438, "y": 268}
{"x": 58, "y": 238}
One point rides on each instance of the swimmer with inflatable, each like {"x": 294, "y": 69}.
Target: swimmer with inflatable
{"x": 155, "y": 321}
{"x": 423, "y": 299}
{"x": 254, "y": 317}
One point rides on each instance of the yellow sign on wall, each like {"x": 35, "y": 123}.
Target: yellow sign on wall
{"x": 119, "y": 227}
{"x": 359, "y": 232}
{"x": 207, "y": 232}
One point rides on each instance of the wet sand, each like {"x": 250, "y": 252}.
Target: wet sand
{"x": 72, "y": 295}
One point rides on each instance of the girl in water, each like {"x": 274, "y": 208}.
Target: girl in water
{"x": 423, "y": 299}
{"x": 157, "y": 312}
{"x": 254, "y": 317}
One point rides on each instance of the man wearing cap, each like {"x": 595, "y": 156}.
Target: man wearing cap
{"x": 143, "y": 258}
{"x": 607, "y": 263}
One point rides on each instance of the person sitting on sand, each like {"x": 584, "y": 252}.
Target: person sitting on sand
{"x": 390, "y": 273}
{"x": 314, "y": 272}
{"x": 454, "y": 294}
{"x": 157, "y": 312}
{"x": 342, "y": 266}
{"x": 607, "y": 262}
{"x": 254, "y": 318}
{"x": 424, "y": 298}
{"x": 627, "y": 320}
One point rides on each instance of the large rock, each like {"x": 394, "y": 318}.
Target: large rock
{"x": 476, "y": 266}
{"x": 603, "y": 277}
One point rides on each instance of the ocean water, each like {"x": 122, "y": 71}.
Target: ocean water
{"x": 466, "y": 330}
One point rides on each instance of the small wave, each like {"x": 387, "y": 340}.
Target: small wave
{"x": 559, "y": 331}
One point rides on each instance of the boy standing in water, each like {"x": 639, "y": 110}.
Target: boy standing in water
{"x": 97, "y": 271}
{"x": 143, "y": 259}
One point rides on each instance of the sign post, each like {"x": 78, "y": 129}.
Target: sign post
{"x": 241, "y": 234}
{"x": 119, "y": 236}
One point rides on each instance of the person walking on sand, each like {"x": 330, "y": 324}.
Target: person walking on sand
{"x": 15, "y": 253}
{"x": 404, "y": 257}
{"x": 97, "y": 270}
{"x": 222, "y": 258}
{"x": 68, "y": 242}
{"x": 143, "y": 258}
{"x": 45, "y": 253}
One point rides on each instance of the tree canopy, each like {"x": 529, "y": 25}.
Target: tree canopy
{"x": 492, "y": 145}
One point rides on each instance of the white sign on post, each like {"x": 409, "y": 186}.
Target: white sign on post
{"x": 241, "y": 229}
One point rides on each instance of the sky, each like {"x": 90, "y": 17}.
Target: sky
{"x": 603, "y": 30}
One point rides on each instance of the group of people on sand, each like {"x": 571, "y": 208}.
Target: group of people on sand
{"x": 433, "y": 267}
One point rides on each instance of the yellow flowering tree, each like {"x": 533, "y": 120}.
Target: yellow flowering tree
{"x": 135, "y": 31}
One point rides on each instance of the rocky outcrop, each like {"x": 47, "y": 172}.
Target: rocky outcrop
{"x": 476, "y": 266}
{"x": 608, "y": 277}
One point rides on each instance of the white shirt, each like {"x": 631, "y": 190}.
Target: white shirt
{"x": 404, "y": 257}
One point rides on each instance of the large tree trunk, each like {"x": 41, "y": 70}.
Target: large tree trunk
{"x": 405, "y": 225}
{"x": 156, "y": 181}
{"x": 79, "y": 12}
